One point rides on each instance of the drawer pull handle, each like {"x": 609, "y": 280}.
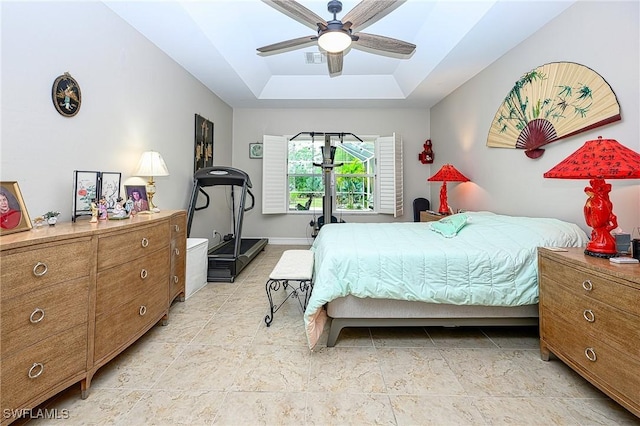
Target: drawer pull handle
{"x": 36, "y": 370}
{"x": 177, "y": 228}
{"x": 36, "y": 316}
{"x": 589, "y": 315}
{"x": 143, "y": 310}
{"x": 40, "y": 269}
{"x": 176, "y": 251}
{"x": 175, "y": 279}
{"x": 587, "y": 285}
{"x": 143, "y": 274}
{"x": 145, "y": 242}
{"x": 590, "y": 353}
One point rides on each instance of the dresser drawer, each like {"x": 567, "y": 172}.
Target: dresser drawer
{"x": 610, "y": 368}
{"x": 31, "y": 270}
{"x": 117, "y": 249}
{"x": 51, "y": 361}
{"x": 592, "y": 284}
{"x": 179, "y": 226}
{"x": 615, "y": 327}
{"x": 34, "y": 316}
{"x": 118, "y": 285}
{"x": 121, "y": 326}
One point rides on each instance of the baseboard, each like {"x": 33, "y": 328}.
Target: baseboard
{"x": 290, "y": 241}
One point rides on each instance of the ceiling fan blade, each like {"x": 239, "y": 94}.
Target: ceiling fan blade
{"x": 298, "y": 12}
{"x": 334, "y": 61}
{"x": 288, "y": 44}
{"x": 367, "y": 12}
{"x": 385, "y": 44}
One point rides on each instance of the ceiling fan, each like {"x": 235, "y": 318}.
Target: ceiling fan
{"x": 335, "y": 36}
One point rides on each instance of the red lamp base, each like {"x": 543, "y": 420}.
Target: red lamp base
{"x": 444, "y": 205}
{"x": 598, "y": 213}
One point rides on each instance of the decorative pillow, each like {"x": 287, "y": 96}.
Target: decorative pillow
{"x": 450, "y": 225}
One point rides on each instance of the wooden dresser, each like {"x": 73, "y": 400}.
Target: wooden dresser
{"x": 74, "y": 296}
{"x": 590, "y": 319}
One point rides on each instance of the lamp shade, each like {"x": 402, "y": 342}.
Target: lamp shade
{"x": 151, "y": 164}
{"x": 600, "y": 158}
{"x": 334, "y": 41}
{"x": 448, "y": 173}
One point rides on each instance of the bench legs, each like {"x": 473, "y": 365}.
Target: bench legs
{"x": 302, "y": 293}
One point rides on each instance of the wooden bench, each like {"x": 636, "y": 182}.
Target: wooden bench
{"x": 294, "y": 265}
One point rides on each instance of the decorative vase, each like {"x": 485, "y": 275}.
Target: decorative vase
{"x": 52, "y": 221}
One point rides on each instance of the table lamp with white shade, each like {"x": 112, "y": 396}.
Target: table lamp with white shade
{"x": 151, "y": 164}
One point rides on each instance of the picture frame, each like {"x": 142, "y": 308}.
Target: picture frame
{"x": 141, "y": 203}
{"x": 203, "y": 148}
{"x": 86, "y": 186}
{"x": 14, "y": 216}
{"x": 110, "y": 188}
{"x": 255, "y": 150}
{"x": 66, "y": 95}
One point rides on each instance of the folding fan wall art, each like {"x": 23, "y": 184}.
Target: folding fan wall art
{"x": 552, "y": 102}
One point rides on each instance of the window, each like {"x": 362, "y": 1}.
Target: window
{"x": 369, "y": 179}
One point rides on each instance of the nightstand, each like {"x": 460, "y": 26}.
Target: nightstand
{"x": 426, "y": 216}
{"x": 590, "y": 319}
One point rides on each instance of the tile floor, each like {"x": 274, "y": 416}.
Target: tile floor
{"x": 217, "y": 363}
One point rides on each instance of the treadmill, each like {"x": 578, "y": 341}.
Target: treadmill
{"x": 233, "y": 253}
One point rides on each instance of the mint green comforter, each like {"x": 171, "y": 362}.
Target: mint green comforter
{"x": 491, "y": 261}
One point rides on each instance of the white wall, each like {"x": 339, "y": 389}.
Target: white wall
{"x": 250, "y": 124}
{"x": 604, "y": 36}
{"x": 134, "y": 98}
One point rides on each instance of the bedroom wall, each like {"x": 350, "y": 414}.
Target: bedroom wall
{"x": 250, "y": 124}
{"x": 604, "y": 36}
{"x": 134, "y": 98}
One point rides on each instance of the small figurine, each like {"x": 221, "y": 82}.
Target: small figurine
{"x": 128, "y": 206}
{"x": 119, "y": 211}
{"x": 102, "y": 208}
{"x": 94, "y": 211}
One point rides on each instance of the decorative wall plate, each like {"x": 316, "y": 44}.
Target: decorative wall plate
{"x": 66, "y": 95}
{"x": 552, "y": 102}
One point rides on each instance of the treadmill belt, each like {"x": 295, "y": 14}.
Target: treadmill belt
{"x": 245, "y": 245}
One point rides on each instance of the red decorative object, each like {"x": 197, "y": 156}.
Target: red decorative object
{"x": 598, "y": 160}
{"x": 447, "y": 173}
{"x": 426, "y": 156}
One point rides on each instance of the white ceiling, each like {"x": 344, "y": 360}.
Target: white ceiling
{"x": 216, "y": 41}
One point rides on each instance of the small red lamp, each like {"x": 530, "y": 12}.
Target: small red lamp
{"x": 598, "y": 160}
{"x": 447, "y": 173}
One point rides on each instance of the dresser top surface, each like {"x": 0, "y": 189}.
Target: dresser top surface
{"x": 576, "y": 257}
{"x": 81, "y": 228}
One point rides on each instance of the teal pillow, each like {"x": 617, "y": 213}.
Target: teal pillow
{"x": 450, "y": 225}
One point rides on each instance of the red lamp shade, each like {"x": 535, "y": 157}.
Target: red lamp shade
{"x": 447, "y": 173}
{"x": 598, "y": 160}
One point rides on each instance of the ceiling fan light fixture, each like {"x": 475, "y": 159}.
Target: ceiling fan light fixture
{"x": 334, "y": 41}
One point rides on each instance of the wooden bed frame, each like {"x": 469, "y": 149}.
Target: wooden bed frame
{"x": 351, "y": 311}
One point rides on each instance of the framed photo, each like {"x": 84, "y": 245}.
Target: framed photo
{"x": 110, "y": 188}
{"x": 86, "y": 185}
{"x": 203, "y": 151}
{"x": 13, "y": 213}
{"x": 255, "y": 150}
{"x": 137, "y": 197}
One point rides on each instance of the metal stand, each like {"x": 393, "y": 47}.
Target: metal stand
{"x": 303, "y": 288}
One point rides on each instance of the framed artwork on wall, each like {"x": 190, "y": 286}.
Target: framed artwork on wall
{"x": 255, "y": 150}
{"x": 203, "y": 152}
{"x": 86, "y": 185}
{"x": 13, "y": 212}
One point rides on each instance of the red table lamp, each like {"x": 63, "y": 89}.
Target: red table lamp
{"x": 447, "y": 173}
{"x": 598, "y": 160}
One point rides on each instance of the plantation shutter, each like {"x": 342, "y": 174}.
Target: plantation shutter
{"x": 389, "y": 179}
{"x": 274, "y": 174}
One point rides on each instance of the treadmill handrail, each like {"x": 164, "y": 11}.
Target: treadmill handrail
{"x": 253, "y": 201}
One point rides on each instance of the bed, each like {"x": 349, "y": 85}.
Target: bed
{"x": 480, "y": 268}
